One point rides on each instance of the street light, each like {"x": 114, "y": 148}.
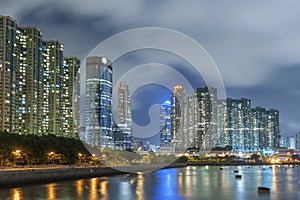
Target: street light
{"x": 80, "y": 158}
{"x": 17, "y": 155}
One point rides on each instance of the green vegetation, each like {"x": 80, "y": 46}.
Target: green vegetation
{"x": 119, "y": 157}
{"x": 16, "y": 150}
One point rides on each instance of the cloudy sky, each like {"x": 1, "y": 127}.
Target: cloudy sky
{"x": 255, "y": 44}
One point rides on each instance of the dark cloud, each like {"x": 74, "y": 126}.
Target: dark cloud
{"x": 254, "y": 43}
{"x": 79, "y": 33}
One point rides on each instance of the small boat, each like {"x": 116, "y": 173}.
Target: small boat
{"x": 263, "y": 189}
{"x": 236, "y": 171}
{"x": 238, "y": 176}
{"x": 221, "y": 168}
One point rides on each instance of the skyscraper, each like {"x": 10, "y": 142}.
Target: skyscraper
{"x": 32, "y": 82}
{"x": 8, "y": 63}
{"x": 206, "y": 137}
{"x": 238, "y": 123}
{"x": 190, "y": 119}
{"x": 273, "y": 131}
{"x": 258, "y": 128}
{"x": 31, "y": 56}
{"x": 249, "y": 129}
{"x": 21, "y": 72}
{"x": 124, "y": 109}
{"x": 122, "y": 130}
{"x": 53, "y": 94}
{"x": 177, "y": 101}
{"x": 165, "y": 124}
{"x": 99, "y": 102}
{"x": 71, "y": 97}
{"x": 221, "y": 120}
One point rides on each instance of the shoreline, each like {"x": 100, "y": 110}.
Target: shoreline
{"x": 195, "y": 163}
{"x": 16, "y": 177}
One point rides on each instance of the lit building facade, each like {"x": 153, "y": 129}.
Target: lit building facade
{"x": 238, "y": 123}
{"x": 124, "y": 109}
{"x": 99, "y": 102}
{"x": 71, "y": 97}
{"x": 53, "y": 94}
{"x": 165, "y": 124}
{"x": 191, "y": 121}
{"x": 21, "y": 73}
{"x": 249, "y": 129}
{"x": 258, "y": 128}
{"x": 8, "y": 63}
{"x": 121, "y": 140}
{"x": 122, "y": 131}
{"x": 221, "y": 120}
{"x": 291, "y": 142}
{"x": 177, "y": 100}
{"x": 31, "y": 81}
{"x": 273, "y": 128}
{"x": 32, "y": 53}
{"x": 206, "y": 137}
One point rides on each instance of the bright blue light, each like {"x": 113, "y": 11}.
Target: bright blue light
{"x": 167, "y": 102}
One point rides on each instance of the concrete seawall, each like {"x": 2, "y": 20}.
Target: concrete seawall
{"x": 18, "y": 177}
{"x": 10, "y": 178}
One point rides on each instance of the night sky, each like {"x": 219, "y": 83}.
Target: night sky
{"x": 255, "y": 44}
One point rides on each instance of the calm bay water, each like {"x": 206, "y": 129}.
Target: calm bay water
{"x": 207, "y": 182}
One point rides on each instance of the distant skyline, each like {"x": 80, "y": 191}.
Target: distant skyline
{"x": 254, "y": 44}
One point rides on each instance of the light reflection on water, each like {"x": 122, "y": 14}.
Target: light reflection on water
{"x": 51, "y": 191}
{"x": 207, "y": 182}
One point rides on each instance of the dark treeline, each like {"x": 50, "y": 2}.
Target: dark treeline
{"x": 39, "y": 150}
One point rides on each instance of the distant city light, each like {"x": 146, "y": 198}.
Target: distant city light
{"x": 104, "y": 60}
{"x": 167, "y": 102}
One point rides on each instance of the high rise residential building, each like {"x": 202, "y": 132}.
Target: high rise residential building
{"x": 53, "y": 94}
{"x": 8, "y": 63}
{"x": 21, "y": 72}
{"x": 264, "y": 129}
{"x": 206, "y": 122}
{"x": 31, "y": 57}
{"x": 206, "y": 137}
{"x": 258, "y": 128}
{"x": 247, "y": 128}
{"x": 177, "y": 100}
{"x": 165, "y": 124}
{"x": 221, "y": 120}
{"x": 238, "y": 123}
{"x": 71, "y": 97}
{"x": 273, "y": 130}
{"x": 31, "y": 80}
{"x": 191, "y": 121}
{"x": 98, "y": 115}
{"x": 197, "y": 117}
